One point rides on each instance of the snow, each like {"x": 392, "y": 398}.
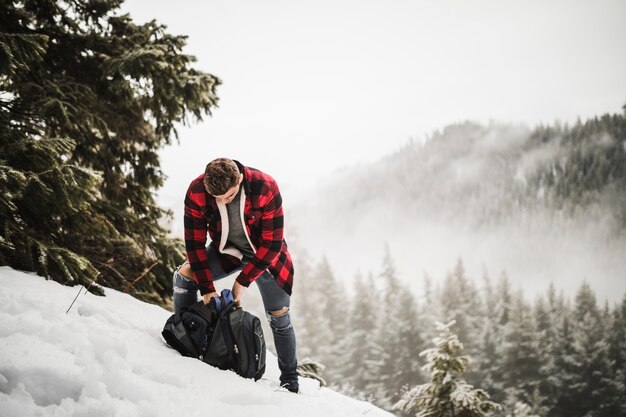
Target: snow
{"x": 106, "y": 357}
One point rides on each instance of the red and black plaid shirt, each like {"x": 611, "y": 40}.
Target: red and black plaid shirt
{"x": 263, "y": 214}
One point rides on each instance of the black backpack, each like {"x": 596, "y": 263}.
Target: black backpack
{"x": 191, "y": 329}
{"x": 226, "y": 337}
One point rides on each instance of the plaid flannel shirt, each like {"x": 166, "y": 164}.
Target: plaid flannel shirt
{"x": 263, "y": 220}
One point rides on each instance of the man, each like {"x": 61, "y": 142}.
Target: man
{"x": 241, "y": 208}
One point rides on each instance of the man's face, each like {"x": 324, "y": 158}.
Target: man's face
{"x": 229, "y": 195}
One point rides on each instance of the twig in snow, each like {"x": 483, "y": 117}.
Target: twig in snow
{"x": 80, "y": 289}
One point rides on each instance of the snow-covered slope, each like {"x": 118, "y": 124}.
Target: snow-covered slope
{"x": 106, "y": 357}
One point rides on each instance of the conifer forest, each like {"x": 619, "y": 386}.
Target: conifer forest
{"x": 88, "y": 97}
{"x": 548, "y": 356}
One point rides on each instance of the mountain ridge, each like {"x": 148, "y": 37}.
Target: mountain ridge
{"x": 470, "y": 191}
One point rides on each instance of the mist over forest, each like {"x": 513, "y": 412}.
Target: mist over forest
{"x": 543, "y": 205}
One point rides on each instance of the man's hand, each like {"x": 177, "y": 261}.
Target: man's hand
{"x": 237, "y": 291}
{"x": 207, "y": 297}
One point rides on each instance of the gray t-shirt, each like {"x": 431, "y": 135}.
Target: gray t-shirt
{"x": 236, "y": 232}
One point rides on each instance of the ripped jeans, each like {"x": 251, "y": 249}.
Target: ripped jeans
{"x": 274, "y": 299}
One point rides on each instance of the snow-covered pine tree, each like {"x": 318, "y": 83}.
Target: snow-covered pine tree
{"x": 487, "y": 361}
{"x": 427, "y": 307}
{"x": 545, "y": 321}
{"x": 596, "y": 390}
{"x": 460, "y": 301}
{"x": 100, "y": 95}
{"x": 319, "y": 305}
{"x": 331, "y": 328}
{"x": 617, "y": 350}
{"x": 521, "y": 361}
{"x": 360, "y": 355}
{"x": 582, "y": 381}
{"x": 411, "y": 341}
{"x": 521, "y": 409}
{"x": 304, "y": 308}
{"x": 388, "y": 337}
{"x": 447, "y": 394}
{"x": 561, "y": 371}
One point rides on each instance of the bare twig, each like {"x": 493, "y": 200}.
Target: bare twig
{"x": 144, "y": 273}
{"x": 115, "y": 271}
{"x": 80, "y": 289}
{"x": 92, "y": 281}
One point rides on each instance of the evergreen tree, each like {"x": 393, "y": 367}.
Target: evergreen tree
{"x": 361, "y": 359}
{"x": 87, "y": 98}
{"x": 503, "y": 305}
{"x": 388, "y": 337}
{"x": 304, "y": 311}
{"x": 319, "y": 305}
{"x": 562, "y": 371}
{"x": 521, "y": 409}
{"x": 331, "y": 328}
{"x": 410, "y": 341}
{"x": 460, "y": 302}
{"x": 521, "y": 361}
{"x": 447, "y": 394}
{"x": 617, "y": 353}
{"x": 487, "y": 359}
{"x": 617, "y": 338}
{"x": 545, "y": 320}
{"x": 587, "y": 386}
{"x": 453, "y": 299}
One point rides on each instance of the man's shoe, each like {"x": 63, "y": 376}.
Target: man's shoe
{"x": 291, "y": 387}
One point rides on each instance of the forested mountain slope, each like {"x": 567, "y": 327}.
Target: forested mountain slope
{"x": 546, "y": 204}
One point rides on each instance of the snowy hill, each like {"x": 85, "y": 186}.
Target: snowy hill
{"x": 106, "y": 357}
{"x": 545, "y": 205}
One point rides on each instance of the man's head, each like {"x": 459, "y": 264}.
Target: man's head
{"x": 222, "y": 179}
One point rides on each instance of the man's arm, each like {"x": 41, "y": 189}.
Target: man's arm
{"x": 195, "y": 244}
{"x": 272, "y": 227}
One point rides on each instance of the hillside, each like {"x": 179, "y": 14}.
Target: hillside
{"x": 106, "y": 357}
{"x": 546, "y": 204}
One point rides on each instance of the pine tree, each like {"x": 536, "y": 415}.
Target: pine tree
{"x": 545, "y": 319}
{"x": 87, "y": 98}
{"x": 460, "y": 301}
{"x": 617, "y": 353}
{"x": 562, "y": 371}
{"x": 361, "y": 354}
{"x": 387, "y": 337}
{"x": 521, "y": 409}
{"x": 617, "y": 341}
{"x": 331, "y": 328}
{"x": 304, "y": 308}
{"x": 521, "y": 362}
{"x": 447, "y": 394}
{"x": 487, "y": 359}
{"x": 586, "y": 386}
{"x": 410, "y": 341}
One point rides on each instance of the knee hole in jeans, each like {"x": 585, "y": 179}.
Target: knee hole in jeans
{"x": 280, "y": 322}
{"x": 183, "y": 284}
{"x": 185, "y": 270}
{"x": 278, "y": 313}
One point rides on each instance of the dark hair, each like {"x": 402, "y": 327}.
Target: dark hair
{"x": 220, "y": 175}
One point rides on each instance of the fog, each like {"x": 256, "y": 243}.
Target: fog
{"x": 458, "y": 197}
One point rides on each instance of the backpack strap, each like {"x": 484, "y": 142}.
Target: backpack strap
{"x": 228, "y": 338}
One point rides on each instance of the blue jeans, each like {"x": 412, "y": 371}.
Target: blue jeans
{"x": 274, "y": 299}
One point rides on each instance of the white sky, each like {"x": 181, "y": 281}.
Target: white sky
{"x": 310, "y": 86}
